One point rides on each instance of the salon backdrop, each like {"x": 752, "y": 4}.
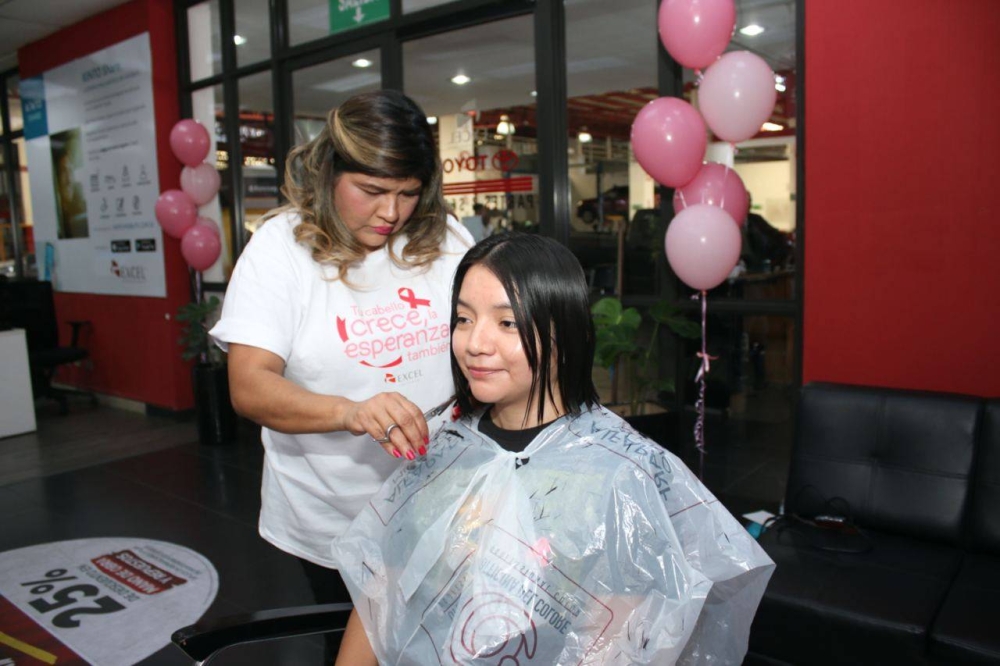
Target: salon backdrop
{"x": 901, "y": 241}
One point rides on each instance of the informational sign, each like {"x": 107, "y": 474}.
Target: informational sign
{"x": 91, "y": 150}
{"x": 350, "y": 14}
{"x": 107, "y": 601}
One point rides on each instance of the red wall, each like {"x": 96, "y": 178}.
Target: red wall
{"x": 132, "y": 341}
{"x": 902, "y": 255}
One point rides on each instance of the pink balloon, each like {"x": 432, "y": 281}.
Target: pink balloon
{"x": 737, "y": 95}
{"x": 210, "y": 224}
{"x": 668, "y": 139}
{"x": 200, "y": 247}
{"x": 695, "y": 32}
{"x": 200, "y": 182}
{"x": 175, "y": 212}
{"x": 703, "y": 245}
{"x": 190, "y": 142}
{"x": 715, "y": 185}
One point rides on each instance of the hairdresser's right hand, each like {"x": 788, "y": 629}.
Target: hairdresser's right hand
{"x": 373, "y": 417}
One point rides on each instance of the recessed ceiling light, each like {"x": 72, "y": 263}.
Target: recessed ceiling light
{"x": 432, "y": 120}
{"x": 460, "y": 79}
{"x": 239, "y": 40}
{"x": 751, "y": 30}
{"x": 362, "y": 62}
{"x": 534, "y": 93}
{"x": 772, "y": 127}
{"x": 584, "y": 136}
{"x": 780, "y": 87}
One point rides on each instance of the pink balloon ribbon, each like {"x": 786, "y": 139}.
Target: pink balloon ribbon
{"x": 706, "y": 359}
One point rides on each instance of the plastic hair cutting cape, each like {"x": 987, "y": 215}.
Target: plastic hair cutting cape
{"x": 592, "y": 546}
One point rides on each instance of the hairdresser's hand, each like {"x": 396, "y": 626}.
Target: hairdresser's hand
{"x": 393, "y": 414}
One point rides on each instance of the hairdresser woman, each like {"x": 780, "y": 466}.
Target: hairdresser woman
{"x": 336, "y": 321}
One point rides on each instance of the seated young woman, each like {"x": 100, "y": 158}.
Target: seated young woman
{"x": 541, "y": 528}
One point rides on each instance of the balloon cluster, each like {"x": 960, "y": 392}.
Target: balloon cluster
{"x": 736, "y": 95}
{"x": 177, "y": 210}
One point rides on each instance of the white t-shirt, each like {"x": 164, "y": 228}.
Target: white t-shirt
{"x": 390, "y": 332}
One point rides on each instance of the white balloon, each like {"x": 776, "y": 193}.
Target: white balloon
{"x": 737, "y": 95}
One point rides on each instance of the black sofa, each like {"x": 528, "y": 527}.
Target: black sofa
{"x": 919, "y": 581}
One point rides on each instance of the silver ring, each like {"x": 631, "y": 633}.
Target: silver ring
{"x": 388, "y": 431}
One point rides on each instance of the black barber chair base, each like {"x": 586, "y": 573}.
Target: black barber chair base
{"x": 203, "y": 641}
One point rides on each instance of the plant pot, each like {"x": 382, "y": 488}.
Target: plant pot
{"x": 216, "y": 418}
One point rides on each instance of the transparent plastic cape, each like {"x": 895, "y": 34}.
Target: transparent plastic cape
{"x": 592, "y": 546}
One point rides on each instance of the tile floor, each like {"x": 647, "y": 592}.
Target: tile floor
{"x": 102, "y": 472}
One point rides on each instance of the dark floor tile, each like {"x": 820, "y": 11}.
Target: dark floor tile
{"x": 204, "y": 481}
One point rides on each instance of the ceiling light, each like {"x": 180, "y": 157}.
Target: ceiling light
{"x": 584, "y": 136}
{"x": 779, "y": 83}
{"x": 772, "y": 127}
{"x": 780, "y": 87}
{"x": 239, "y": 40}
{"x": 534, "y": 93}
{"x": 460, "y": 79}
{"x": 362, "y": 62}
{"x": 751, "y": 30}
{"x": 505, "y": 127}
{"x": 432, "y": 120}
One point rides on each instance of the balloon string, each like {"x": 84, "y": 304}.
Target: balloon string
{"x": 705, "y": 366}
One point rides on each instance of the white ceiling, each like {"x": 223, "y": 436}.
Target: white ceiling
{"x": 610, "y": 47}
{"x": 26, "y": 21}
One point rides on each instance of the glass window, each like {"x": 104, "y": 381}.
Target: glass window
{"x": 14, "y": 103}
{"x": 260, "y": 182}
{"x": 480, "y": 99}
{"x": 315, "y": 19}
{"x": 22, "y": 199}
{"x": 766, "y": 163}
{"x": 751, "y": 385}
{"x": 410, "y": 6}
{"x": 611, "y": 75}
{"x": 253, "y": 31}
{"x": 209, "y": 109}
{"x": 319, "y": 89}
{"x": 204, "y": 40}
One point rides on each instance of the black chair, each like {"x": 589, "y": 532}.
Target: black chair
{"x": 28, "y": 304}
{"x": 204, "y": 640}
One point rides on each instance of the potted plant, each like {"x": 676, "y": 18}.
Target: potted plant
{"x": 618, "y": 347}
{"x": 215, "y": 415}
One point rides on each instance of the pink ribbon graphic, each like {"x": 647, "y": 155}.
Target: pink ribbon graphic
{"x": 406, "y": 295}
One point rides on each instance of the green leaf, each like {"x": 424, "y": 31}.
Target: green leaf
{"x": 662, "y": 311}
{"x": 607, "y": 311}
{"x": 631, "y": 319}
{"x": 685, "y": 327}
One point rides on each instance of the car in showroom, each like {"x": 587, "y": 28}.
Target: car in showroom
{"x": 614, "y": 200}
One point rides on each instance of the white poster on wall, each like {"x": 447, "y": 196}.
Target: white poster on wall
{"x": 91, "y": 147}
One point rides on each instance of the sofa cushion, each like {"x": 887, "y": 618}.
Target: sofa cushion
{"x": 984, "y": 514}
{"x": 967, "y": 630}
{"x": 900, "y": 460}
{"x": 836, "y": 608}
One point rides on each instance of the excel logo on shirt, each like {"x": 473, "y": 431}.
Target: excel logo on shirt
{"x": 402, "y": 377}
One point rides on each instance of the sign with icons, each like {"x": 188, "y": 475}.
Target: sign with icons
{"x": 91, "y": 149}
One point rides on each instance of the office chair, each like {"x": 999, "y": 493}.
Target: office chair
{"x": 29, "y": 304}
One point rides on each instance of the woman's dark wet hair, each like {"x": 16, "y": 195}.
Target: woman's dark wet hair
{"x": 548, "y": 293}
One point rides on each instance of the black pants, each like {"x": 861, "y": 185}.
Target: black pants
{"x": 328, "y": 588}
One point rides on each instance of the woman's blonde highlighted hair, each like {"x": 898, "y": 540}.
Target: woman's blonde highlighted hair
{"x": 382, "y": 134}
